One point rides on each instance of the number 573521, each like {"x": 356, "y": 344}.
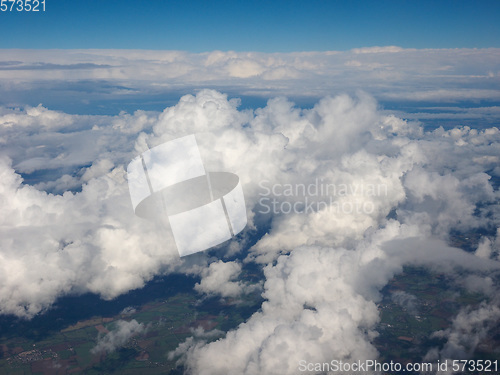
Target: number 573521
{"x": 22, "y": 5}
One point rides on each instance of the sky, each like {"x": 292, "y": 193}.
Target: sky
{"x": 265, "y": 26}
{"x": 402, "y": 95}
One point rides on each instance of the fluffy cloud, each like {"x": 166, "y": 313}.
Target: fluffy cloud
{"x": 467, "y": 331}
{"x": 72, "y": 243}
{"x": 320, "y": 304}
{"x": 311, "y": 312}
{"x": 345, "y": 193}
{"x": 221, "y": 278}
{"x": 119, "y": 336}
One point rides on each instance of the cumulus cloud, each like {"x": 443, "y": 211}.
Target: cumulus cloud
{"x": 340, "y": 197}
{"x": 72, "y": 243}
{"x": 119, "y": 336}
{"x": 221, "y": 278}
{"x": 469, "y": 328}
{"x": 311, "y": 312}
{"x": 320, "y": 305}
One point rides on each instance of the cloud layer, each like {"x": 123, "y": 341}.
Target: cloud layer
{"x": 394, "y": 192}
{"x": 119, "y": 79}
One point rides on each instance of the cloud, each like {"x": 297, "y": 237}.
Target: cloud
{"x": 386, "y": 49}
{"x": 469, "y": 328}
{"x": 443, "y": 95}
{"x": 12, "y": 65}
{"x": 311, "y": 312}
{"x": 54, "y": 245}
{"x": 406, "y": 300}
{"x": 340, "y": 197}
{"x": 118, "y": 337}
{"x": 320, "y": 305}
{"x": 114, "y": 77}
{"x": 484, "y": 248}
{"x": 221, "y": 278}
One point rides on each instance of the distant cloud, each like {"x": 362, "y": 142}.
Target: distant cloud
{"x": 221, "y": 278}
{"x": 441, "y": 95}
{"x": 469, "y": 328}
{"x": 18, "y": 65}
{"x": 405, "y": 300}
{"x": 389, "y": 73}
{"x": 386, "y": 49}
{"x": 119, "y": 336}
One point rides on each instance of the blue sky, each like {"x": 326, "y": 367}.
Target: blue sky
{"x": 266, "y": 26}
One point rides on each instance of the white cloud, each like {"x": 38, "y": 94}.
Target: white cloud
{"x": 386, "y": 49}
{"x": 443, "y": 95}
{"x": 221, "y": 278}
{"x": 312, "y": 312}
{"x": 118, "y": 337}
{"x": 320, "y": 305}
{"x": 324, "y": 268}
{"x": 72, "y": 243}
{"x": 388, "y": 72}
{"x": 468, "y": 330}
{"x": 484, "y": 248}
